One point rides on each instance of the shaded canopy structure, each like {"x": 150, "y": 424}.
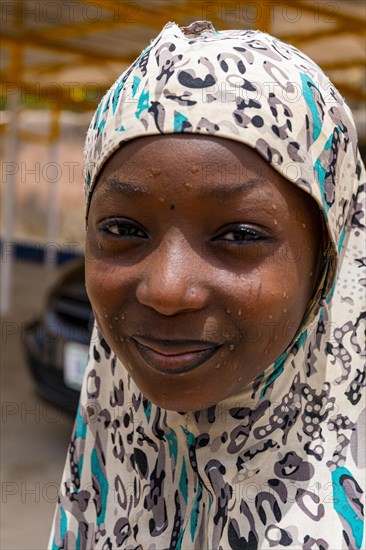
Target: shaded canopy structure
{"x": 69, "y": 51}
{"x": 64, "y": 55}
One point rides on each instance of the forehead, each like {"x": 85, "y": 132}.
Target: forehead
{"x": 211, "y": 160}
{"x": 192, "y": 165}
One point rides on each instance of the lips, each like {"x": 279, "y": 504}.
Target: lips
{"x": 174, "y": 356}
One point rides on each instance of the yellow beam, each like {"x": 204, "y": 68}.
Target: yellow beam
{"x": 16, "y": 58}
{"x": 339, "y": 65}
{"x": 52, "y": 68}
{"x": 299, "y": 39}
{"x": 54, "y": 133}
{"x": 139, "y": 13}
{"x": 33, "y": 40}
{"x": 54, "y": 95}
{"x": 129, "y": 14}
{"x": 119, "y": 15}
{"x": 263, "y": 21}
{"x": 326, "y": 12}
{"x": 83, "y": 28}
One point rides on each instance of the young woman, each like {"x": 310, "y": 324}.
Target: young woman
{"x": 221, "y": 405}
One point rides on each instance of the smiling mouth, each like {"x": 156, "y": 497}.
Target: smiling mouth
{"x": 174, "y": 357}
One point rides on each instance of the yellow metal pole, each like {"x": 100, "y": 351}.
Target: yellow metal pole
{"x": 263, "y": 19}
{"x": 54, "y": 173}
{"x": 11, "y": 169}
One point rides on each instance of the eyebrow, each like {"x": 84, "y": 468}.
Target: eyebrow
{"x": 224, "y": 191}
{"x": 228, "y": 190}
{"x": 128, "y": 189}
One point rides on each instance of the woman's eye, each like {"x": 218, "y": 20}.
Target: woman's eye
{"x": 240, "y": 234}
{"x": 121, "y": 228}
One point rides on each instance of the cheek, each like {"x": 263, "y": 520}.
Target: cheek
{"x": 268, "y": 308}
{"x": 288, "y": 299}
{"x": 108, "y": 294}
{"x": 106, "y": 290}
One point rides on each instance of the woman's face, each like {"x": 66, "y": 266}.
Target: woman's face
{"x": 201, "y": 261}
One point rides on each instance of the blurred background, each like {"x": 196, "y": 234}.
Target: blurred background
{"x": 57, "y": 60}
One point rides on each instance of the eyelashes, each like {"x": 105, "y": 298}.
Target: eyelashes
{"x": 237, "y": 233}
{"x": 240, "y": 233}
{"x": 118, "y": 227}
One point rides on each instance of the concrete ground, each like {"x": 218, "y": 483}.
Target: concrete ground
{"x": 34, "y": 434}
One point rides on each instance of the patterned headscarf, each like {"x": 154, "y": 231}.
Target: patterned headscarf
{"x": 283, "y": 464}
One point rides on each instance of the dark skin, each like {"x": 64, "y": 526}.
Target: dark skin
{"x": 199, "y": 271}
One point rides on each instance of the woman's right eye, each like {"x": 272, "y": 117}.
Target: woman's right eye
{"x": 122, "y": 228}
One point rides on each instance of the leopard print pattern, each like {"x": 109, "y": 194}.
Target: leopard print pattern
{"x": 283, "y": 464}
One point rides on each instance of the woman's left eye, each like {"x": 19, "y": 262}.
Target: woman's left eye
{"x": 240, "y": 233}
{"x": 121, "y": 228}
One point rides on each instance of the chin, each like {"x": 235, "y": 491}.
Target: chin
{"x": 174, "y": 404}
{"x": 182, "y": 401}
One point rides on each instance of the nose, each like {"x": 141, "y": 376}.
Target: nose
{"x": 173, "y": 278}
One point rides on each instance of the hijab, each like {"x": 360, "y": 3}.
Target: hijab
{"x": 283, "y": 463}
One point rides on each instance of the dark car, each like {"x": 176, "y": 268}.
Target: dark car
{"x": 57, "y": 343}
